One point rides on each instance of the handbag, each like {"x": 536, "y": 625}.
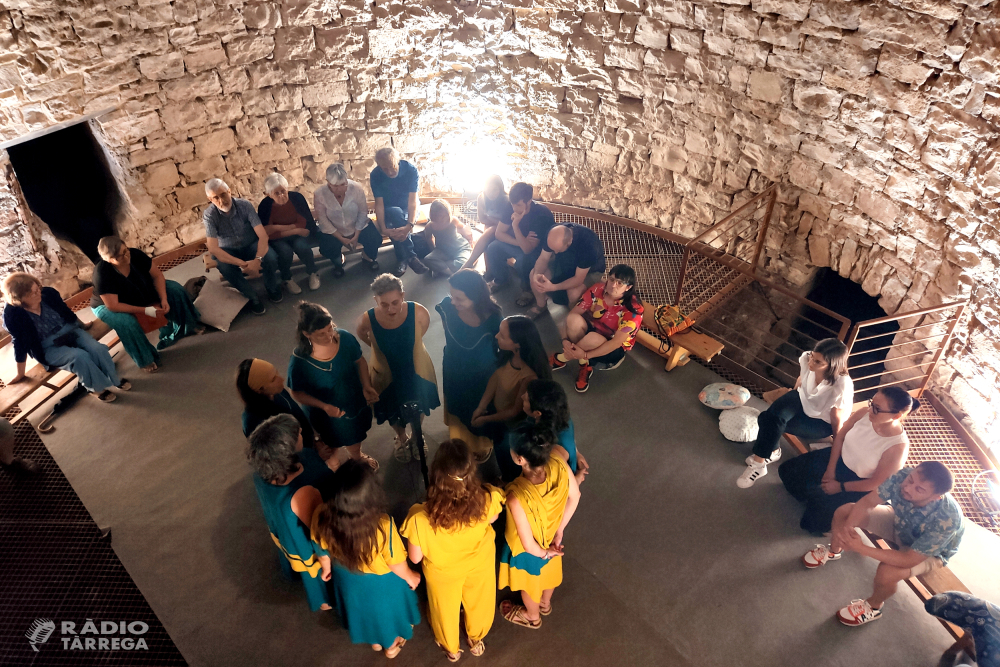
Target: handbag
{"x": 667, "y": 321}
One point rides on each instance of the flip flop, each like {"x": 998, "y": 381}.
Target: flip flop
{"x": 517, "y": 614}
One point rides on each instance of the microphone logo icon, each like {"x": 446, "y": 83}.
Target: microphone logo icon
{"x": 39, "y": 632}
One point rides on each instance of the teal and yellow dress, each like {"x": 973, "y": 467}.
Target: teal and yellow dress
{"x": 544, "y": 504}
{"x": 375, "y": 604}
{"x": 470, "y": 357}
{"x": 401, "y": 369}
{"x": 335, "y": 382}
{"x": 288, "y": 532}
{"x": 510, "y": 470}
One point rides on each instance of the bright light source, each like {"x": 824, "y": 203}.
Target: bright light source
{"x": 469, "y": 162}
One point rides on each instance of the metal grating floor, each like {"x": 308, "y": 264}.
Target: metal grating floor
{"x": 57, "y": 566}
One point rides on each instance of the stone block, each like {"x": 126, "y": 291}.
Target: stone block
{"x": 741, "y": 23}
{"x": 836, "y": 13}
{"x": 818, "y": 206}
{"x": 852, "y": 59}
{"x": 253, "y": 132}
{"x": 766, "y": 86}
{"x": 878, "y": 207}
{"x": 304, "y": 146}
{"x": 624, "y": 56}
{"x": 929, "y": 232}
{"x": 864, "y": 115}
{"x": 217, "y": 142}
{"x": 233, "y": 79}
{"x": 224, "y": 110}
{"x": 750, "y": 53}
{"x": 190, "y": 197}
{"x": 258, "y": 102}
{"x": 189, "y": 87}
{"x": 261, "y": 16}
{"x": 238, "y": 162}
{"x": 838, "y": 186}
{"x": 806, "y": 174}
{"x": 685, "y": 41}
{"x": 325, "y": 94}
{"x": 161, "y": 177}
{"x": 309, "y": 12}
{"x": 673, "y": 158}
{"x": 792, "y": 64}
{"x": 981, "y": 59}
{"x": 948, "y": 154}
{"x": 162, "y": 68}
{"x": 652, "y": 33}
{"x": 244, "y": 50}
{"x": 816, "y": 99}
{"x": 182, "y": 117}
{"x": 797, "y": 10}
{"x": 669, "y": 64}
{"x": 290, "y": 124}
{"x": 294, "y": 43}
{"x": 202, "y": 170}
{"x": 883, "y": 23}
{"x": 893, "y": 95}
{"x": 209, "y": 57}
{"x": 272, "y": 152}
{"x": 901, "y": 64}
{"x": 781, "y": 32}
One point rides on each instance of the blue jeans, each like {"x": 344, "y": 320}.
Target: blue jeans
{"x": 268, "y": 269}
{"x": 786, "y": 416}
{"x": 497, "y": 254}
{"x": 404, "y": 248}
{"x": 286, "y": 247}
{"x": 369, "y": 237}
{"x": 87, "y": 359}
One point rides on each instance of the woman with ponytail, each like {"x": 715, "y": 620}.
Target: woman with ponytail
{"x": 540, "y": 503}
{"x": 328, "y": 374}
{"x": 452, "y": 537}
{"x": 868, "y": 449}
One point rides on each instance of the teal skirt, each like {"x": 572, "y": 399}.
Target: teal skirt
{"x": 374, "y": 608}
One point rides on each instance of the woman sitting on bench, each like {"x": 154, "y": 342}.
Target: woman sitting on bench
{"x": 814, "y": 409}
{"x": 41, "y": 325}
{"x": 870, "y": 447}
{"x": 132, "y": 296}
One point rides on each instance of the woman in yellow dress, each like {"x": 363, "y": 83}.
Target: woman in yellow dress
{"x": 539, "y": 505}
{"x": 452, "y": 535}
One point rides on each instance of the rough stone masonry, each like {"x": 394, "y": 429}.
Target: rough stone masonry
{"x": 880, "y": 120}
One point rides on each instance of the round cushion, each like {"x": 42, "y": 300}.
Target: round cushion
{"x": 739, "y": 424}
{"x": 723, "y": 396}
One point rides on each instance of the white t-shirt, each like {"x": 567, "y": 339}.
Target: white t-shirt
{"x": 818, "y": 396}
{"x": 863, "y": 447}
{"x": 346, "y": 218}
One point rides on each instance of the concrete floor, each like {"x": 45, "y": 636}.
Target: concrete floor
{"x": 668, "y": 562}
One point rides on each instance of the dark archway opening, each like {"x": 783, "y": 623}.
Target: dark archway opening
{"x": 843, "y": 296}
{"x": 67, "y": 182}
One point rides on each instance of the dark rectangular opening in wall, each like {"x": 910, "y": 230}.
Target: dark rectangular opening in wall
{"x": 67, "y": 183}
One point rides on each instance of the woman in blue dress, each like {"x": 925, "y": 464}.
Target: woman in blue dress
{"x": 328, "y": 374}
{"x": 358, "y": 546}
{"x": 471, "y": 320}
{"x": 401, "y": 369}
{"x": 291, "y": 483}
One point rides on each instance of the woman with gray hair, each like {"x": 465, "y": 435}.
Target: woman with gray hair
{"x": 342, "y": 219}
{"x": 291, "y": 483}
{"x": 133, "y": 297}
{"x": 290, "y": 226}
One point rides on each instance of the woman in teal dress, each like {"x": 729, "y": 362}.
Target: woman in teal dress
{"x": 328, "y": 374}
{"x": 358, "y": 546}
{"x": 291, "y": 483}
{"x": 401, "y": 369}
{"x": 471, "y": 320}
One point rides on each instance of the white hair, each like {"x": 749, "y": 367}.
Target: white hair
{"x": 215, "y": 185}
{"x": 273, "y": 182}
{"x": 386, "y": 154}
{"x": 336, "y": 174}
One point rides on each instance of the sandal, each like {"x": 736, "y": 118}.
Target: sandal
{"x": 452, "y": 657}
{"x": 478, "y": 648}
{"x": 536, "y": 311}
{"x": 525, "y": 300}
{"x": 372, "y": 463}
{"x": 394, "y": 650}
{"x": 106, "y": 396}
{"x": 151, "y": 368}
{"x": 517, "y": 614}
{"x": 125, "y": 385}
{"x": 402, "y": 451}
{"x": 545, "y": 611}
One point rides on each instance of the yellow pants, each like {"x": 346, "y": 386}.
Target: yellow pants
{"x": 449, "y": 591}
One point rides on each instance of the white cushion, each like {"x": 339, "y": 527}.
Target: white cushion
{"x": 724, "y": 396}
{"x": 739, "y": 424}
{"x": 219, "y": 305}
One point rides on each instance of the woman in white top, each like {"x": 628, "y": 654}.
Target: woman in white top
{"x": 868, "y": 449}
{"x": 814, "y": 409}
{"x": 342, "y": 220}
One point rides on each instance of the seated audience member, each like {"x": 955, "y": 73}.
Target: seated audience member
{"x": 492, "y": 208}
{"x": 342, "y": 218}
{"x": 127, "y": 287}
{"x": 291, "y": 483}
{"x": 395, "y": 184}
{"x": 41, "y": 324}
{"x": 922, "y": 518}
{"x": 239, "y": 243}
{"x": 360, "y": 550}
{"x": 262, "y": 390}
{"x": 869, "y": 447}
{"x": 449, "y": 238}
{"x": 521, "y": 240}
{"x": 451, "y": 536}
{"x": 814, "y": 409}
{"x": 540, "y": 503}
{"x": 501, "y": 408}
{"x": 545, "y": 403}
{"x": 981, "y": 619}
{"x": 328, "y": 374}
{"x": 290, "y": 227}
{"x": 602, "y": 326}
{"x": 401, "y": 369}
{"x": 571, "y": 260}
{"x": 13, "y": 464}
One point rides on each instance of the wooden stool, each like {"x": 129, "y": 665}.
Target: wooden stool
{"x": 690, "y": 342}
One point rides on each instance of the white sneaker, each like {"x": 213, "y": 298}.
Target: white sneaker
{"x": 858, "y": 612}
{"x": 819, "y": 556}
{"x": 293, "y": 287}
{"x": 314, "y": 281}
{"x": 753, "y": 472}
{"x": 775, "y": 455}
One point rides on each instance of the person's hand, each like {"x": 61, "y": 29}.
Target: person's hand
{"x": 333, "y": 411}
{"x": 304, "y": 233}
{"x": 252, "y": 269}
{"x": 414, "y": 580}
{"x": 531, "y": 235}
{"x": 17, "y": 378}
{"x": 516, "y": 218}
{"x": 478, "y": 421}
{"x": 571, "y": 351}
{"x": 852, "y": 542}
{"x": 543, "y": 282}
{"x": 326, "y": 574}
{"x": 371, "y": 395}
{"x": 830, "y": 486}
{"x": 552, "y": 552}
{"x": 842, "y": 536}
{"x": 164, "y": 306}
{"x": 351, "y": 244}
{"x": 557, "y": 540}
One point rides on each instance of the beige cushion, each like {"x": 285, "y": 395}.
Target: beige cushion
{"x": 219, "y": 305}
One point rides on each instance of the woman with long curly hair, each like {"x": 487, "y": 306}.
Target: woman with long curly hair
{"x": 452, "y": 536}
{"x": 359, "y": 547}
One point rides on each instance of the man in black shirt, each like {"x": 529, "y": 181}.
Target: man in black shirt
{"x": 571, "y": 259}
{"x": 521, "y": 239}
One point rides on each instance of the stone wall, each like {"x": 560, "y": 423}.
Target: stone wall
{"x": 879, "y": 120}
